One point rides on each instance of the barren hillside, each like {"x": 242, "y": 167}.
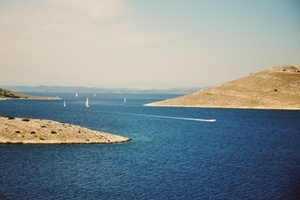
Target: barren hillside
{"x": 275, "y": 88}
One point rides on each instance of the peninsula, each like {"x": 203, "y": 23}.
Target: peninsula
{"x": 275, "y": 88}
{"x": 37, "y": 131}
{"x": 8, "y": 94}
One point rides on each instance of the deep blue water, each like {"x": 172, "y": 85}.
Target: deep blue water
{"x": 245, "y": 154}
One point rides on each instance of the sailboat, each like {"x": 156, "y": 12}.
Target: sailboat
{"x": 124, "y": 100}
{"x": 87, "y": 103}
{"x": 65, "y": 104}
{"x": 76, "y": 94}
{"x": 94, "y": 95}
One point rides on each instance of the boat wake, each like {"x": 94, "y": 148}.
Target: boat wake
{"x": 178, "y": 118}
{"x": 165, "y": 117}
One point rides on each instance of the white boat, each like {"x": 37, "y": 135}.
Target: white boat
{"x": 65, "y": 104}
{"x": 94, "y": 95}
{"x": 124, "y": 100}
{"x": 76, "y": 94}
{"x": 87, "y": 103}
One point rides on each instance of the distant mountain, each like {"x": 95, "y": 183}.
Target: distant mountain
{"x": 275, "y": 88}
{"x": 43, "y": 88}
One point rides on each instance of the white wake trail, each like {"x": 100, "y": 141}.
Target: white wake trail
{"x": 178, "y": 118}
{"x": 166, "y": 117}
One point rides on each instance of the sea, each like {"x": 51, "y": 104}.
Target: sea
{"x": 175, "y": 153}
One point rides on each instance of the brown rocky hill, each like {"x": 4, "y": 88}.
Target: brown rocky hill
{"x": 275, "y": 88}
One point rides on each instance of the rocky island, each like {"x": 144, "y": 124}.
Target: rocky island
{"x": 275, "y": 88}
{"x": 37, "y": 131}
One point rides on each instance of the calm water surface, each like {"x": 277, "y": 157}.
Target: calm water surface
{"x": 245, "y": 154}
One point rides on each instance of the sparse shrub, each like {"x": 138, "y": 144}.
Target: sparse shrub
{"x": 26, "y": 120}
{"x": 43, "y": 126}
{"x": 11, "y": 118}
{"x": 53, "y": 132}
{"x": 42, "y": 139}
{"x": 32, "y": 132}
{"x": 18, "y": 132}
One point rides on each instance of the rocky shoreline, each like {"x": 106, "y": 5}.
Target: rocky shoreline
{"x": 39, "y": 131}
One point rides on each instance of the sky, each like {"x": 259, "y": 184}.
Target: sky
{"x": 144, "y": 43}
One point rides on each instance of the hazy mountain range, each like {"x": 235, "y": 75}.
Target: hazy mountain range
{"x": 43, "y": 88}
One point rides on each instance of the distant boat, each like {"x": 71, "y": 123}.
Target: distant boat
{"x": 65, "y": 104}
{"x": 124, "y": 100}
{"x": 76, "y": 94}
{"x": 87, "y": 103}
{"x": 94, "y": 95}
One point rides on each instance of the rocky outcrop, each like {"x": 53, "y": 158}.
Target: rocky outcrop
{"x": 275, "y": 88}
{"x": 286, "y": 68}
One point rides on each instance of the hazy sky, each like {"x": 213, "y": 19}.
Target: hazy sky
{"x": 144, "y": 43}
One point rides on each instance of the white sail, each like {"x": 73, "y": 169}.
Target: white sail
{"x": 76, "y": 94}
{"x": 125, "y": 100}
{"x": 87, "y": 102}
{"x": 65, "y": 104}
